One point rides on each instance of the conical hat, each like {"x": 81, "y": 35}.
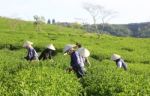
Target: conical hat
{"x": 50, "y": 46}
{"x": 67, "y": 47}
{"x": 27, "y": 43}
{"x": 115, "y": 57}
{"x": 84, "y": 52}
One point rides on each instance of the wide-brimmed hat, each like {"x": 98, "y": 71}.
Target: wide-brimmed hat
{"x": 51, "y": 46}
{"x": 115, "y": 57}
{"x": 27, "y": 43}
{"x": 84, "y": 52}
{"x": 68, "y": 47}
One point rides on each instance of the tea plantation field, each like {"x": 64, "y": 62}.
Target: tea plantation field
{"x": 19, "y": 77}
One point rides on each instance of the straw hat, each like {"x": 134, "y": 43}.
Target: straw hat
{"x": 115, "y": 57}
{"x": 67, "y": 47}
{"x": 27, "y": 43}
{"x": 84, "y": 52}
{"x": 50, "y": 46}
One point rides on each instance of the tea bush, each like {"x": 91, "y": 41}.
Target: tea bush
{"x": 19, "y": 77}
{"x": 106, "y": 80}
{"x": 36, "y": 78}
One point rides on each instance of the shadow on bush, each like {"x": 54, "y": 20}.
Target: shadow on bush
{"x": 145, "y": 62}
{"x": 100, "y": 57}
{"x": 10, "y": 46}
{"x": 127, "y": 49}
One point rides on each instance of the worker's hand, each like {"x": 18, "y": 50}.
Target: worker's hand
{"x": 52, "y": 60}
{"x": 69, "y": 69}
{"x": 89, "y": 65}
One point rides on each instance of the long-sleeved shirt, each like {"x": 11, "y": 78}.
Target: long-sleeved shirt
{"x": 120, "y": 63}
{"x": 46, "y": 54}
{"x": 77, "y": 64}
{"x": 76, "y": 59}
{"x": 32, "y": 54}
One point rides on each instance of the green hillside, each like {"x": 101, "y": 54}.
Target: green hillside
{"x": 47, "y": 78}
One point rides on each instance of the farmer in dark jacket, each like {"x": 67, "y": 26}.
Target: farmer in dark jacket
{"x": 76, "y": 62}
{"x": 32, "y": 54}
{"x": 119, "y": 61}
{"x": 47, "y": 53}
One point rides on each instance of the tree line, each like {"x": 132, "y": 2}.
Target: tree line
{"x": 133, "y": 29}
{"x": 100, "y": 15}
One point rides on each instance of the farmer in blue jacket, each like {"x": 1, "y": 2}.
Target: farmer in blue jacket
{"x": 76, "y": 63}
{"x": 119, "y": 61}
{"x": 32, "y": 54}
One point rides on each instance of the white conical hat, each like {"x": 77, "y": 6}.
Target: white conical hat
{"x": 84, "y": 52}
{"x": 51, "y": 46}
{"x": 115, "y": 57}
{"x": 67, "y": 47}
{"x": 27, "y": 43}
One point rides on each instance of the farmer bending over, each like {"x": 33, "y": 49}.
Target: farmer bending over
{"x": 84, "y": 53}
{"x": 32, "y": 54}
{"x": 77, "y": 63}
{"x": 47, "y": 53}
{"x": 119, "y": 61}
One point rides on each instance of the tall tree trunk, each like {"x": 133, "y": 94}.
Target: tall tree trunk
{"x": 103, "y": 25}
